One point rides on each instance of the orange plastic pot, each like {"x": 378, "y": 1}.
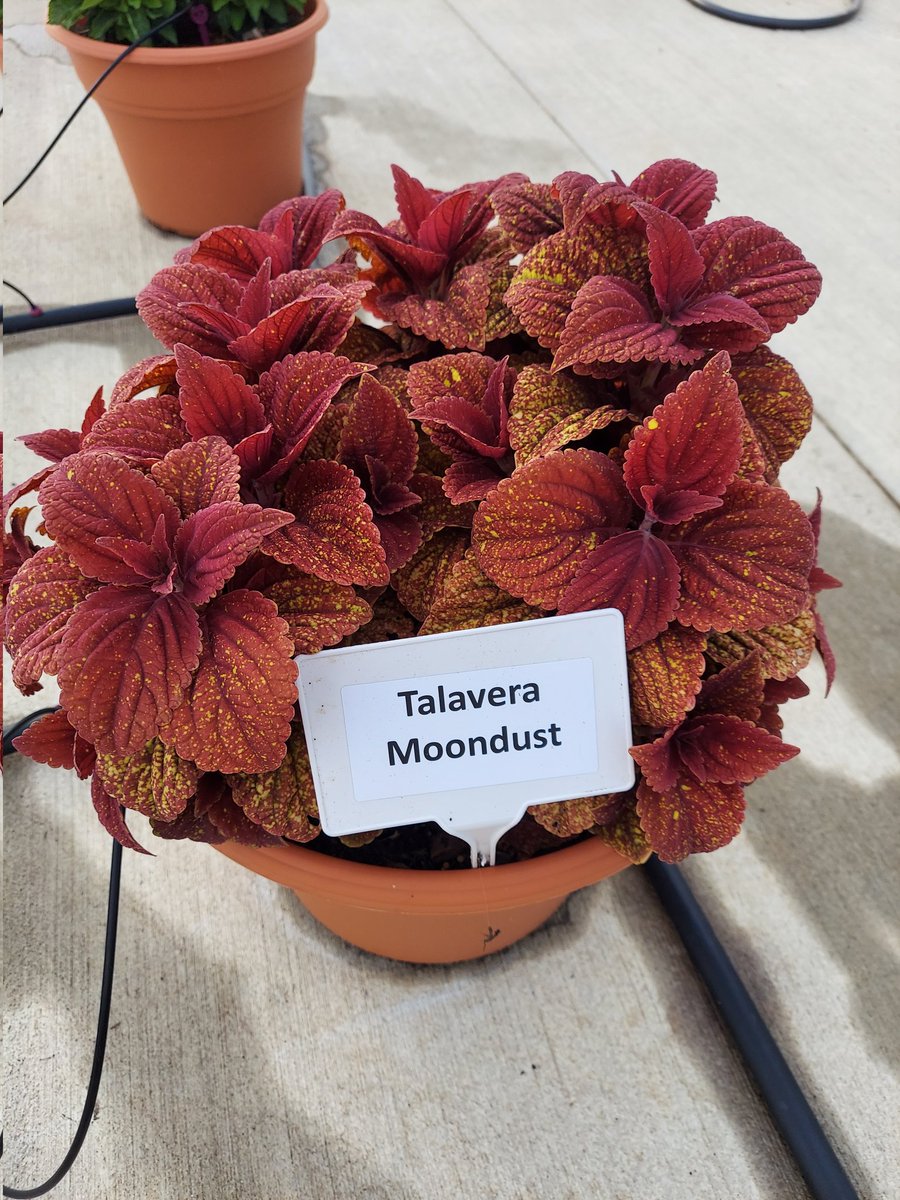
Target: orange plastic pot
{"x": 209, "y": 135}
{"x": 431, "y": 916}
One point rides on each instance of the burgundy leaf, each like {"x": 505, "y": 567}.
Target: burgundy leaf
{"x": 333, "y": 536}
{"x": 377, "y": 427}
{"x": 213, "y": 542}
{"x": 128, "y": 656}
{"x": 681, "y": 188}
{"x": 633, "y": 572}
{"x": 142, "y": 431}
{"x": 236, "y": 714}
{"x": 744, "y": 565}
{"x": 200, "y": 474}
{"x": 164, "y": 305}
{"x": 95, "y": 496}
{"x": 42, "y": 596}
{"x": 692, "y": 442}
{"x": 53, "y": 444}
{"x": 534, "y": 531}
{"x": 111, "y": 817}
{"x": 214, "y": 400}
{"x": 610, "y": 321}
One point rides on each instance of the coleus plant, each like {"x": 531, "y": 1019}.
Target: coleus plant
{"x": 565, "y": 402}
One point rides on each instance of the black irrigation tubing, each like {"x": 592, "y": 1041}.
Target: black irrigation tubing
{"x": 787, "y": 1105}
{"x": 75, "y": 314}
{"x": 734, "y": 14}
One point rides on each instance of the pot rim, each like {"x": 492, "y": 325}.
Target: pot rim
{"x": 194, "y": 56}
{"x": 552, "y": 875}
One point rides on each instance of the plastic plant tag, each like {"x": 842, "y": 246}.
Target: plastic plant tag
{"x": 468, "y": 729}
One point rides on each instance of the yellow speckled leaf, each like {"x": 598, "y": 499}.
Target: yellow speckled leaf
{"x": 568, "y": 818}
{"x": 664, "y": 676}
{"x": 419, "y": 581}
{"x": 783, "y": 649}
{"x": 466, "y": 599}
{"x": 282, "y": 801}
{"x": 155, "y": 781}
{"x": 625, "y": 835}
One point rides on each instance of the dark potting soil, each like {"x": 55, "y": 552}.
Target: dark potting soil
{"x": 428, "y": 848}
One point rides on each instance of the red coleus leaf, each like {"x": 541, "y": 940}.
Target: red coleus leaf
{"x": 681, "y": 188}
{"x": 401, "y": 536}
{"x": 317, "y": 321}
{"x": 296, "y": 392}
{"x": 610, "y": 321}
{"x": 214, "y": 400}
{"x": 282, "y": 801}
{"x": 436, "y": 511}
{"x": 53, "y": 444}
{"x": 579, "y": 425}
{"x": 289, "y": 235}
{"x": 624, "y": 834}
{"x": 378, "y": 429}
{"x": 142, "y": 431}
{"x": 737, "y": 691}
{"x": 690, "y": 818}
{"x": 664, "y": 676}
{"x": 744, "y": 565}
{"x": 165, "y": 304}
{"x": 233, "y": 824}
{"x": 527, "y": 212}
{"x": 213, "y": 542}
{"x": 29, "y": 485}
{"x": 757, "y": 264}
{"x": 465, "y": 396}
{"x": 154, "y": 781}
{"x": 333, "y": 535}
{"x": 190, "y": 825}
{"x": 311, "y": 219}
{"x": 112, "y": 818}
{"x": 236, "y": 713}
{"x": 588, "y": 203}
{"x": 318, "y": 613}
{"x": 458, "y": 320}
{"x": 569, "y": 818}
{"x": 535, "y": 530}
{"x": 540, "y": 401}
{"x": 52, "y": 740}
{"x": 676, "y": 268}
{"x": 93, "y": 503}
{"x": 157, "y": 371}
{"x": 550, "y": 276}
{"x": 42, "y": 596}
{"x": 127, "y": 655}
{"x": 633, "y": 572}
{"x": 778, "y": 406}
{"x": 199, "y": 474}
{"x": 689, "y": 449}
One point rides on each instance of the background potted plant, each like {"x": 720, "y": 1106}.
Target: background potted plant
{"x": 209, "y": 117}
{"x": 568, "y": 405}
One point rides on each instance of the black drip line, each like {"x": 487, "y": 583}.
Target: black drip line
{"x": 734, "y": 14}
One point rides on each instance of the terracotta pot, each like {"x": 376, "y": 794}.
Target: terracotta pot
{"x": 209, "y": 135}
{"x": 431, "y": 916}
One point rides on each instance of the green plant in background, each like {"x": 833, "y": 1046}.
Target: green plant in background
{"x": 220, "y": 21}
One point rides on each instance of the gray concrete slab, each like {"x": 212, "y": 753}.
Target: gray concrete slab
{"x": 252, "y": 1054}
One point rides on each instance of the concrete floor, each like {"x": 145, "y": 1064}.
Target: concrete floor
{"x": 254, "y": 1056}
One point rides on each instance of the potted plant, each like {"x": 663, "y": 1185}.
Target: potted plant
{"x": 567, "y": 403}
{"x": 208, "y": 118}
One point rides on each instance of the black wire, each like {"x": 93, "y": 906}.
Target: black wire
{"x": 36, "y": 310}
{"x": 788, "y": 1107}
{"x": 731, "y": 14}
{"x": 90, "y": 1101}
{"x": 115, "y": 62}
{"x": 109, "y": 963}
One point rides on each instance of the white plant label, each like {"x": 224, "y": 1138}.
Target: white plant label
{"x": 468, "y": 729}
